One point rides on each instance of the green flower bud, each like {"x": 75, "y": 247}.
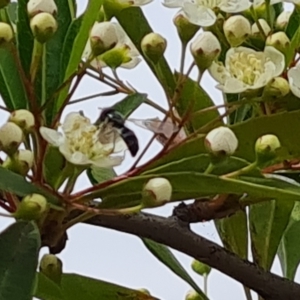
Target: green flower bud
{"x": 4, "y": 3}
{"x": 200, "y": 268}
{"x": 51, "y": 266}
{"x": 266, "y": 148}
{"x": 103, "y": 37}
{"x": 23, "y": 118}
{"x": 236, "y": 29}
{"x": 205, "y": 49}
{"x": 21, "y": 162}
{"x": 43, "y": 27}
{"x": 278, "y": 87}
{"x": 144, "y": 291}
{"x": 255, "y": 32}
{"x": 221, "y": 142}
{"x": 283, "y": 20}
{"x": 156, "y": 192}
{"x": 32, "y": 207}
{"x": 11, "y": 136}
{"x": 115, "y": 57}
{"x": 193, "y": 295}
{"x": 186, "y": 30}
{"x": 153, "y": 46}
{"x": 6, "y": 33}
{"x": 279, "y": 41}
{"x": 35, "y": 7}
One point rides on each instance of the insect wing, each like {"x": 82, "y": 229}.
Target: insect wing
{"x": 167, "y": 128}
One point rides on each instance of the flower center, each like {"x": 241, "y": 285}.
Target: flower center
{"x": 246, "y": 67}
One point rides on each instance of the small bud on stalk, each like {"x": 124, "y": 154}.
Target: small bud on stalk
{"x": 32, "y": 207}
{"x": 43, "y": 27}
{"x": 35, "y": 7}
{"x": 283, "y": 20}
{"x": 23, "y": 118}
{"x": 21, "y": 162}
{"x": 103, "y": 37}
{"x": 193, "y": 295}
{"x": 255, "y": 32}
{"x": 279, "y": 41}
{"x": 278, "y": 87}
{"x": 266, "y": 148}
{"x": 51, "y": 266}
{"x": 221, "y": 142}
{"x": 153, "y": 46}
{"x": 186, "y": 30}
{"x": 236, "y": 29}
{"x": 200, "y": 268}
{"x": 11, "y": 136}
{"x": 6, "y": 33}
{"x": 156, "y": 192}
{"x": 205, "y": 49}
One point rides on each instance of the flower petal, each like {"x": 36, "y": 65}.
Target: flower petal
{"x": 294, "y": 80}
{"x": 108, "y": 162}
{"x": 199, "y": 14}
{"x": 234, "y": 6}
{"x": 172, "y": 3}
{"x": 277, "y": 58}
{"x": 52, "y": 136}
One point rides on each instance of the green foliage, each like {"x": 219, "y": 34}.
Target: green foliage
{"x": 77, "y": 287}
{"x": 19, "y": 248}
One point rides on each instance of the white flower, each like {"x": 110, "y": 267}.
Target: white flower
{"x": 294, "y": 80}
{"x": 221, "y": 141}
{"x": 123, "y": 54}
{"x": 202, "y": 12}
{"x": 80, "y": 143}
{"x": 37, "y": 6}
{"x": 247, "y": 69}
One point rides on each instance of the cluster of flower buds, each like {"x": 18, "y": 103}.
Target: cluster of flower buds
{"x": 42, "y": 19}
{"x": 12, "y": 133}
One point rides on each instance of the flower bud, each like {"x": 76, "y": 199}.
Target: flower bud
{"x": 43, "y": 27}
{"x": 266, "y": 148}
{"x": 32, "y": 207}
{"x": 279, "y": 41}
{"x": 236, "y": 29}
{"x": 21, "y": 162}
{"x": 6, "y": 33}
{"x": 200, "y": 268}
{"x": 221, "y": 141}
{"x": 35, "y": 7}
{"x": 11, "y": 136}
{"x": 193, "y": 295}
{"x": 115, "y": 57}
{"x": 278, "y": 87}
{"x": 283, "y": 20}
{"x": 4, "y": 3}
{"x": 103, "y": 37}
{"x": 186, "y": 30}
{"x": 205, "y": 49}
{"x": 156, "y": 192}
{"x": 51, "y": 266}
{"x": 144, "y": 291}
{"x": 264, "y": 25}
{"x": 23, "y": 118}
{"x": 153, "y": 46}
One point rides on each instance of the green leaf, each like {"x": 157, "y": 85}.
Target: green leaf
{"x": 293, "y": 24}
{"x": 194, "y": 98}
{"x": 11, "y": 10}
{"x": 130, "y": 103}
{"x": 80, "y": 41}
{"x": 136, "y": 26}
{"x": 233, "y": 232}
{"x": 11, "y": 86}
{"x": 295, "y": 41}
{"x": 19, "y": 250}
{"x": 247, "y": 133}
{"x": 98, "y": 175}
{"x": 268, "y": 221}
{"x": 77, "y": 287}
{"x": 14, "y": 183}
{"x": 24, "y": 36}
{"x": 163, "y": 254}
{"x": 289, "y": 250}
{"x": 190, "y": 185}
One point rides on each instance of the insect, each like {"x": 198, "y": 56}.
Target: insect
{"x": 112, "y": 123}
